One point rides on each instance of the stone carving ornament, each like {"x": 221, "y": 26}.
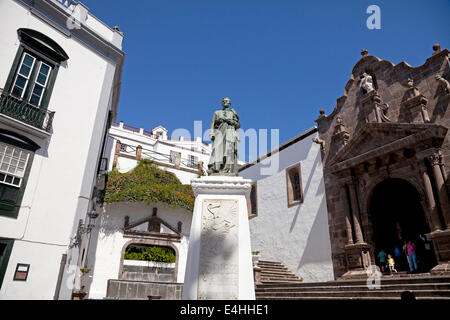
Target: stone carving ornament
{"x": 367, "y": 83}
{"x": 412, "y": 90}
{"x": 444, "y": 83}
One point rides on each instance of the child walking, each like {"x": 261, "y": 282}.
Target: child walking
{"x": 391, "y": 264}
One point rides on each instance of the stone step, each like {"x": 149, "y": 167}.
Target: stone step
{"x": 383, "y": 281}
{"x": 279, "y": 278}
{"x": 270, "y": 274}
{"x": 439, "y": 286}
{"x": 357, "y": 294}
{"x": 265, "y": 271}
{"x": 275, "y": 269}
{"x": 280, "y": 281}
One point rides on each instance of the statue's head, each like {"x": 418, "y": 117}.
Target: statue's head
{"x": 226, "y": 103}
{"x": 438, "y": 77}
{"x": 410, "y": 82}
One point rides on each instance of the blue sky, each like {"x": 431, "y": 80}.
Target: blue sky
{"x": 280, "y": 62}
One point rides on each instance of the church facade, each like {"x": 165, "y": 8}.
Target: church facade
{"x": 386, "y": 152}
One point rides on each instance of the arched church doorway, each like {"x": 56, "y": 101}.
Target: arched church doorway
{"x": 398, "y": 216}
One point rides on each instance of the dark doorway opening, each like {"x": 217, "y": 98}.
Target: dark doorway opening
{"x": 5, "y": 252}
{"x": 398, "y": 216}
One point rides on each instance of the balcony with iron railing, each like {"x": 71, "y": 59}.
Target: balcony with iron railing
{"x": 25, "y": 112}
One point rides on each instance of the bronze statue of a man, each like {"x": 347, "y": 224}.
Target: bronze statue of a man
{"x": 225, "y": 138}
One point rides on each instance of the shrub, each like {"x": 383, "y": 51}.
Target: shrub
{"x": 152, "y": 253}
{"x": 147, "y": 183}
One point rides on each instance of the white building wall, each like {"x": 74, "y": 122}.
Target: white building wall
{"x": 297, "y": 236}
{"x": 158, "y": 151}
{"x": 108, "y": 240}
{"x": 61, "y": 179}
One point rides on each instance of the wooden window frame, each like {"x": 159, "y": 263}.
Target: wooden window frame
{"x": 194, "y": 163}
{"x": 8, "y": 208}
{"x": 43, "y": 50}
{"x": 289, "y": 189}
{"x": 172, "y": 153}
{"x": 28, "y": 77}
{"x": 249, "y": 204}
{"x": 124, "y": 147}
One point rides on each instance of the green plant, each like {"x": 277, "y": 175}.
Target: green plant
{"x": 85, "y": 270}
{"x": 152, "y": 253}
{"x": 147, "y": 183}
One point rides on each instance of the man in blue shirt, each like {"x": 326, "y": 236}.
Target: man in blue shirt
{"x": 382, "y": 258}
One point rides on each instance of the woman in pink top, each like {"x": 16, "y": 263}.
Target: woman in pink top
{"x": 412, "y": 259}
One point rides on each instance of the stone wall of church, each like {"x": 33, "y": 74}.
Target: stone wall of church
{"x": 403, "y": 95}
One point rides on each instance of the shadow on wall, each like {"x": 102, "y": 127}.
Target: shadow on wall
{"x": 318, "y": 247}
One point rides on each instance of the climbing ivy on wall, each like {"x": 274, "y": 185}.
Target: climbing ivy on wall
{"x": 147, "y": 183}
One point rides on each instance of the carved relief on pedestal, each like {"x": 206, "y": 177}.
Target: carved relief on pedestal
{"x": 218, "y": 265}
{"x": 415, "y": 104}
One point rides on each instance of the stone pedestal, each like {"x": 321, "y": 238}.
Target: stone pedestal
{"x": 219, "y": 263}
{"x": 441, "y": 243}
{"x": 373, "y": 108}
{"x": 358, "y": 260}
{"x": 416, "y": 109}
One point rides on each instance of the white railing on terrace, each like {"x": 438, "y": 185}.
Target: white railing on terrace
{"x": 162, "y": 158}
{"x": 67, "y": 3}
{"x": 150, "y": 134}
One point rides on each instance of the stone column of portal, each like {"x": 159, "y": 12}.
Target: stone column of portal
{"x": 355, "y": 213}
{"x": 348, "y": 216}
{"x": 434, "y": 214}
{"x": 435, "y": 160}
{"x": 219, "y": 262}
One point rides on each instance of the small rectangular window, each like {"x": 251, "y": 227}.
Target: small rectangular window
{"x": 253, "y": 203}
{"x": 192, "y": 161}
{"x": 294, "y": 185}
{"x": 175, "y": 157}
{"x": 123, "y": 147}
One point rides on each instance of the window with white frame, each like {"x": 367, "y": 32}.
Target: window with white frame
{"x": 31, "y": 79}
{"x": 16, "y": 156}
{"x": 13, "y": 161}
{"x": 23, "y": 75}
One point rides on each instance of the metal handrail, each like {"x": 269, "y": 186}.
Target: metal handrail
{"x": 26, "y": 112}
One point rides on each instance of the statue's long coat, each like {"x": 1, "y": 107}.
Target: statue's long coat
{"x": 226, "y": 137}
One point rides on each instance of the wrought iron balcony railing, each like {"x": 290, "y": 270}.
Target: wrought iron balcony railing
{"x": 26, "y": 112}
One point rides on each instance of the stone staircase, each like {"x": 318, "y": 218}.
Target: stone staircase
{"x": 278, "y": 283}
{"x": 276, "y": 272}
